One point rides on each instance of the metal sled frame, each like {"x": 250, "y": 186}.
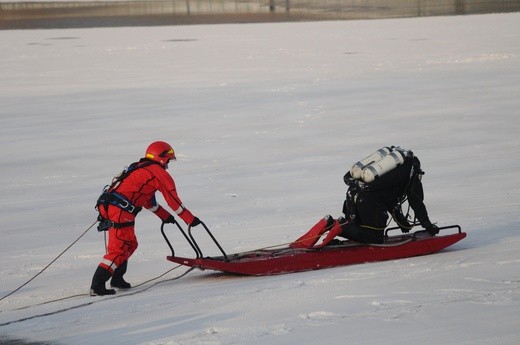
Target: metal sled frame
{"x": 191, "y": 240}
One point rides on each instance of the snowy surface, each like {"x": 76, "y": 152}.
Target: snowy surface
{"x": 265, "y": 118}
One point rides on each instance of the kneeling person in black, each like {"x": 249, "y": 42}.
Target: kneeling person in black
{"x": 367, "y": 205}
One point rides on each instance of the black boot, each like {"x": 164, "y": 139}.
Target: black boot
{"x": 101, "y": 276}
{"x": 117, "y": 279}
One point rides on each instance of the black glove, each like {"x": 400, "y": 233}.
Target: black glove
{"x": 170, "y": 219}
{"x": 432, "y": 229}
{"x": 196, "y": 221}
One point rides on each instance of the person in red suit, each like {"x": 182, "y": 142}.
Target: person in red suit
{"x": 119, "y": 204}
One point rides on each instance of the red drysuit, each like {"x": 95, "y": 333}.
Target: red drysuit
{"x": 139, "y": 188}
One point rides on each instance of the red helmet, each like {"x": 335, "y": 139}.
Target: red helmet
{"x": 160, "y": 152}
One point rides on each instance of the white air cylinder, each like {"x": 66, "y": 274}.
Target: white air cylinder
{"x": 376, "y": 169}
{"x": 357, "y": 169}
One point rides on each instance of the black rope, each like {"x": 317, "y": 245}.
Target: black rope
{"x": 87, "y": 294}
{"x": 96, "y": 300}
{"x": 37, "y": 274}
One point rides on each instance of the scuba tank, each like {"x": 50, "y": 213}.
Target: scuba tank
{"x": 356, "y": 171}
{"x": 381, "y": 167}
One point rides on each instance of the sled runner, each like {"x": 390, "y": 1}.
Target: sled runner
{"x": 289, "y": 260}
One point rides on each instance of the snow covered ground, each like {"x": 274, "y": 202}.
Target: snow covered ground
{"x": 265, "y": 118}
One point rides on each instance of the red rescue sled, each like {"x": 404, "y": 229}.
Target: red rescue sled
{"x": 289, "y": 260}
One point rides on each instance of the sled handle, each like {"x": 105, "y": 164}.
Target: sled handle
{"x": 459, "y": 230}
{"x": 398, "y": 228}
{"x": 196, "y": 246}
{"x": 183, "y": 233}
{"x": 455, "y": 226}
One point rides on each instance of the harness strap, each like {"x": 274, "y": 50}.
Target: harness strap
{"x": 118, "y": 200}
{"x": 105, "y": 224}
{"x": 110, "y": 197}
